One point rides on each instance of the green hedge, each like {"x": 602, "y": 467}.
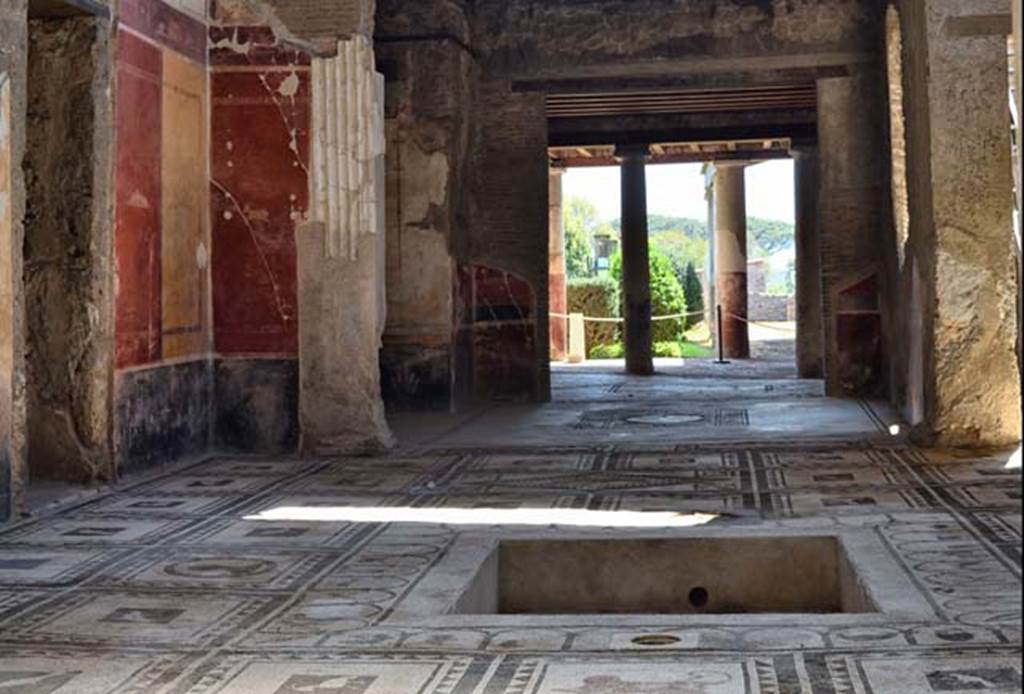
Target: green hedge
{"x": 597, "y": 297}
{"x": 667, "y": 296}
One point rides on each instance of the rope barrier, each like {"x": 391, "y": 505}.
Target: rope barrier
{"x": 597, "y": 319}
{"x": 676, "y": 316}
{"x": 763, "y": 325}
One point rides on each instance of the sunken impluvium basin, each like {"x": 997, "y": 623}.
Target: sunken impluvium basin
{"x": 730, "y": 575}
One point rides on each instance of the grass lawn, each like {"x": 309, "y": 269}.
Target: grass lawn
{"x": 676, "y": 350}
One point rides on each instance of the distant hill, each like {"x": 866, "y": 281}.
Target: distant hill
{"x": 658, "y": 224}
{"x": 770, "y": 235}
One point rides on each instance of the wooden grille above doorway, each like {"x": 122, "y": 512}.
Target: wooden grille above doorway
{"x": 631, "y": 103}
{"x": 675, "y": 152}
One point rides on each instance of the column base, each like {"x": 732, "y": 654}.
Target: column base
{"x": 640, "y": 370}
{"x": 732, "y": 296}
{"x": 355, "y": 445}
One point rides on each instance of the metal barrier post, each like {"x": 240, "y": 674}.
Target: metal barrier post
{"x": 718, "y": 323}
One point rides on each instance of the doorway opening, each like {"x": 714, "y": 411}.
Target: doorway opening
{"x": 585, "y": 257}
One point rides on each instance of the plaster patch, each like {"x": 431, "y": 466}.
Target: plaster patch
{"x": 424, "y": 182}
{"x": 958, "y": 289}
{"x": 289, "y": 86}
{"x": 232, "y": 44}
{"x": 137, "y": 199}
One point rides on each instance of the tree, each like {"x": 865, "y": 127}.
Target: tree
{"x": 579, "y": 257}
{"x": 694, "y": 294}
{"x": 579, "y": 217}
{"x": 667, "y": 296}
{"x": 768, "y": 236}
{"x": 681, "y": 250}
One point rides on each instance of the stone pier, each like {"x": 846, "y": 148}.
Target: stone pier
{"x": 809, "y": 335}
{"x": 341, "y": 267}
{"x": 557, "y": 299}
{"x": 340, "y": 325}
{"x": 961, "y": 251}
{"x": 731, "y": 257}
{"x": 850, "y": 233}
{"x": 636, "y": 270}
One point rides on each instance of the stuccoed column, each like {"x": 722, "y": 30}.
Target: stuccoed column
{"x": 341, "y": 274}
{"x": 731, "y": 257}
{"x": 557, "y": 298}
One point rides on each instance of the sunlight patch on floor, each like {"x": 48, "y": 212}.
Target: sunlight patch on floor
{"x": 485, "y": 516}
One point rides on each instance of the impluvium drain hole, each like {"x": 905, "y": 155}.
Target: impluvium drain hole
{"x": 698, "y": 597}
{"x": 656, "y": 640}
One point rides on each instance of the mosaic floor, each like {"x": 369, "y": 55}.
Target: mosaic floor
{"x": 255, "y": 576}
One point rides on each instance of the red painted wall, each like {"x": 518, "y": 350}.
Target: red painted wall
{"x": 259, "y": 188}
{"x": 504, "y": 335}
{"x": 149, "y": 28}
{"x": 138, "y": 205}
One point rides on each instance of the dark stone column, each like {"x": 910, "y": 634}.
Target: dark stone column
{"x": 809, "y": 330}
{"x": 731, "y": 257}
{"x": 636, "y": 270}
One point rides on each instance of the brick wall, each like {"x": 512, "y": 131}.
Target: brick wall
{"x": 509, "y": 229}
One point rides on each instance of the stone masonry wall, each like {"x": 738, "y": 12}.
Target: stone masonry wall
{"x": 13, "y": 69}
{"x": 510, "y": 235}
{"x": 67, "y": 249}
{"x": 852, "y": 224}
{"x": 609, "y": 37}
{"x": 958, "y": 282}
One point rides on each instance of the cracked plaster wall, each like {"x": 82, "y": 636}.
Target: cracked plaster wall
{"x": 301, "y": 21}
{"x": 430, "y": 94}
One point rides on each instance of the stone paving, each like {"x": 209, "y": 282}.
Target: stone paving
{"x": 338, "y": 576}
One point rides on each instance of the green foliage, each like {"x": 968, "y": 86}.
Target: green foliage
{"x": 578, "y": 254}
{"x": 578, "y": 217}
{"x": 694, "y": 294}
{"x": 667, "y": 295}
{"x": 675, "y": 350}
{"x": 681, "y": 250}
{"x": 597, "y": 297}
{"x": 614, "y": 350}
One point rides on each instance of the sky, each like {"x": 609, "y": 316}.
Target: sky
{"x": 677, "y": 190}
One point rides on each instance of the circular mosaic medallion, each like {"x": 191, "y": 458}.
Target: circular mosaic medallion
{"x": 219, "y": 568}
